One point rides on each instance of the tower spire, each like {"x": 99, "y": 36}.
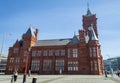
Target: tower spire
{"x": 88, "y": 10}
{"x": 87, "y": 5}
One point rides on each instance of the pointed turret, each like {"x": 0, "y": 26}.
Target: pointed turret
{"x": 30, "y": 37}
{"x": 30, "y": 32}
{"x": 92, "y": 34}
{"x": 88, "y": 11}
{"x": 74, "y": 40}
{"x": 16, "y": 44}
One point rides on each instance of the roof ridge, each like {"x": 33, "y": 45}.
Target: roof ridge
{"x": 54, "y": 39}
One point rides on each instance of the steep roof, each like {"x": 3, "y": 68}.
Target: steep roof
{"x": 21, "y": 43}
{"x": 74, "y": 40}
{"x": 88, "y": 11}
{"x": 92, "y": 33}
{"x": 30, "y": 32}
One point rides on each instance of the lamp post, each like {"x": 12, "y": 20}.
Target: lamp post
{"x": 26, "y": 66}
{"x": 2, "y": 45}
{"x": 3, "y": 41}
{"x": 111, "y": 70}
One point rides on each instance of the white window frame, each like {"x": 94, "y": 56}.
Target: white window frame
{"x": 39, "y": 53}
{"x": 62, "y": 52}
{"x": 45, "y": 53}
{"x": 94, "y": 52}
{"x": 68, "y": 52}
{"x": 50, "y": 52}
{"x": 75, "y": 53}
{"x": 95, "y": 65}
{"x": 33, "y": 53}
{"x": 57, "y": 52}
{"x": 59, "y": 65}
{"x": 90, "y": 49}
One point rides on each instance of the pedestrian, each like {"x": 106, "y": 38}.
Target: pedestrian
{"x": 15, "y": 76}
{"x": 106, "y": 74}
{"x": 111, "y": 72}
{"x": 12, "y": 78}
{"x": 29, "y": 73}
{"x": 118, "y": 73}
{"x": 60, "y": 71}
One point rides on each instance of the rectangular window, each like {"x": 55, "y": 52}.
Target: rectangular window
{"x": 39, "y": 53}
{"x": 33, "y": 53}
{"x": 11, "y": 60}
{"x": 94, "y": 52}
{"x": 62, "y": 52}
{"x": 15, "y": 50}
{"x": 16, "y": 67}
{"x": 68, "y": 53}
{"x": 50, "y": 52}
{"x": 47, "y": 65}
{"x": 69, "y": 69}
{"x": 57, "y": 53}
{"x": 24, "y": 60}
{"x": 59, "y": 65}
{"x": 75, "y": 53}
{"x": 45, "y": 53}
{"x": 35, "y": 66}
{"x": 91, "y": 66}
{"x": 95, "y": 65}
{"x": 69, "y": 66}
{"x": 10, "y": 68}
{"x": 17, "y": 60}
{"x": 73, "y": 66}
{"x": 90, "y": 52}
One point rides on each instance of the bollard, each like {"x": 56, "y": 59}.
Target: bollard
{"x": 24, "y": 79}
{"x": 12, "y": 79}
{"x": 34, "y": 80}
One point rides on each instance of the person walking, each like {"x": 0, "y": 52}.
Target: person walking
{"x": 106, "y": 74}
{"x": 15, "y": 76}
{"x": 29, "y": 73}
{"x": 60, "y": 71}
{"x": 118, "y": 73}
{"x": 111, "y": 72}
{"x": 12, "y": 78}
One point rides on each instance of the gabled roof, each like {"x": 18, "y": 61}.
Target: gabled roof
{"x": 30, "y": 32}
{"x": 92, "y": 33}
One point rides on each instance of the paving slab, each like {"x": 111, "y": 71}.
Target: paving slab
{"x": 63, "y": 79}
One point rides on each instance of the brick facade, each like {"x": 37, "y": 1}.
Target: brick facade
{"x": 78, "y": 55}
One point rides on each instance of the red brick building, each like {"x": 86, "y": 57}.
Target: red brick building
{"x": 80, "y": 54}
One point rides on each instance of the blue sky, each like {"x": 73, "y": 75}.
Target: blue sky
{"x": 60, "y": 19}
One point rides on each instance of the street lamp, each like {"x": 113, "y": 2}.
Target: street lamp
{"x": 26, "y": 65}
{"x": 3, "y": 41}
{"x": 2, "y": 45}
{"x": 111, "y": 70}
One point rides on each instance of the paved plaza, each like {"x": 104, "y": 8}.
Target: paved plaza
{"x": 63, "y": 79}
